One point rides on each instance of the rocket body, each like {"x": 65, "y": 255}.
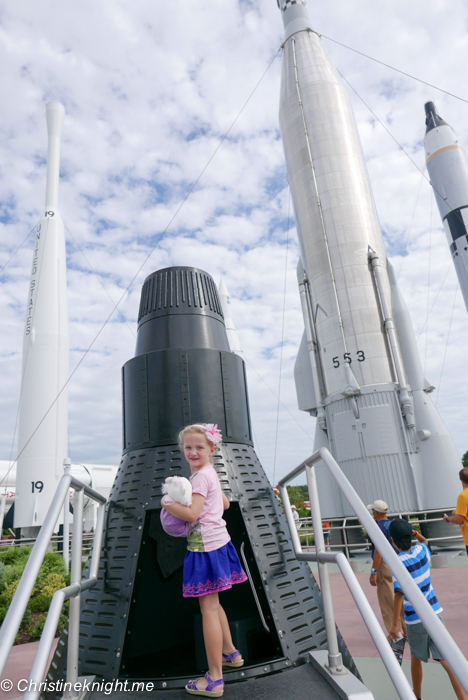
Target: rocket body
{"x": 353, "y": 367}
{"x": 447, "y": 165}
{"x": 43, "y": 416}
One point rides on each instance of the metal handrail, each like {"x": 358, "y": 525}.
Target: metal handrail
{"x": 20, "y": 600}
{"x": 306, "y": 530}
{"x": 430, "y": 620}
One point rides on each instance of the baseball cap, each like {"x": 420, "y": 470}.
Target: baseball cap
{"x": 293, "y": 507}
{"x": 379, "y": 506}
{"x": 399, "y": 529}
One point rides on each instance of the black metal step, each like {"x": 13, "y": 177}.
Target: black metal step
{"x": 303, "y": 682}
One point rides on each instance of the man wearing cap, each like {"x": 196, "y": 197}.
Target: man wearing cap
{"x": 381, "y": 576}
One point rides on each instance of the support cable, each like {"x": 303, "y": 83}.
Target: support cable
{"x": 282, "y": 339}
{"x": 446, "y": 344}
{"x": 397, "y": 70}
{"x": 428, "y": 283}
{"x": 18, "y": 248}
{"x": 410, "y": 228}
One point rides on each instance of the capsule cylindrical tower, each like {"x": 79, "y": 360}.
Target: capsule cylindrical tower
{"x": 135, "y": 623}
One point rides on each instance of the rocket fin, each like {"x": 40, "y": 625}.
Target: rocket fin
{"x": 405, "y": 332}
{"x": 304, "y": 379}
{"x": 350, "y": 385}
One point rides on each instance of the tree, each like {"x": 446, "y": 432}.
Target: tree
{"x": 465, "y": 460}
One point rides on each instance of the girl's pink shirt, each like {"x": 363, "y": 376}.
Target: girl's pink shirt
{"x": 209, "y": 532}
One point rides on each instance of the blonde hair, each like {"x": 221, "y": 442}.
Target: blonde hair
{"x": 190, "y": 429}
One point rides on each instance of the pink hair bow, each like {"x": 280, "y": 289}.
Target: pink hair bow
{"x": 212, "y": 433}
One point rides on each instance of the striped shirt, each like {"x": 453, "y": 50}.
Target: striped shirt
{"x": 417, "y": 564}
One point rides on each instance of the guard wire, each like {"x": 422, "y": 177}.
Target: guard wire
{"x": 282, "y": 338}
{"x": 397, "y": 70}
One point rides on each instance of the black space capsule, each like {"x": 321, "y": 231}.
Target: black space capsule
{"x": 135, "y": 624}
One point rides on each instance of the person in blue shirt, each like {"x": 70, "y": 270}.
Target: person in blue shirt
{"x": 416, "y": 559}
{"x": 380, "y": 575}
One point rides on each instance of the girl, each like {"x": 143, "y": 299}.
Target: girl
{"x": 211, "y": 564}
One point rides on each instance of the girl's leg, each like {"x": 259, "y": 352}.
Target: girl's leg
{"x": 213, "y": 636}
{"x": 228, "y": 646}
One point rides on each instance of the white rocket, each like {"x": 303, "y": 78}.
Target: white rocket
{"x": 43, "y": 417}
{"x": 447, "y": 165}
{"x": 233, "y": 338}
{"x": 358, "y": 369}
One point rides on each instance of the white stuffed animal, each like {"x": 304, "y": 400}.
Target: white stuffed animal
{"x": 179, "y": 489}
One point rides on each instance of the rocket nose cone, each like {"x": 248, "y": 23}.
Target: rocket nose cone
{"x": 433, "y": 119}
{"x": 55, "y": 113}
{"x": 222, "y": 289}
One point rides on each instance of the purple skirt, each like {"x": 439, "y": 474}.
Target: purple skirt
{"x": 211, "y": 572}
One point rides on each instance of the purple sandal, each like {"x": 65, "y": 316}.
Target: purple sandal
{"x": 228, "y": 660}
{"x": 209, "y": 691}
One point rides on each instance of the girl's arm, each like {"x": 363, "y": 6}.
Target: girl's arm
{"x": 187, "y": 513}
{"x": 226, "y": 503}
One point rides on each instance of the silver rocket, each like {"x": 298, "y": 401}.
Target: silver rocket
{"x": 233, "y": 338}
{"x": 43, "y": 417}
{"x": 358, "y": 369}
{"x": 447, "y": 165}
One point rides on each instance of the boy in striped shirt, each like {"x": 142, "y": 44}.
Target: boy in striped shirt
{"x": 416, "y": 559}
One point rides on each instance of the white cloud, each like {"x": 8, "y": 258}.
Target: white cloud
{"x": 149, "y": 91}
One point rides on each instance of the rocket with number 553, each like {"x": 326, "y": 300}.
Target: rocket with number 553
{"x": 358, "y": 369}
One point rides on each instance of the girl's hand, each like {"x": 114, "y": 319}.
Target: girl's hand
{"x": 188, "y": 513}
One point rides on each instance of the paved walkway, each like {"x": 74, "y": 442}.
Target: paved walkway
{"x": 450, "y": 586}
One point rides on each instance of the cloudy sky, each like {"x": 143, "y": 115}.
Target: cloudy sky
{"x": 150, "y": 90}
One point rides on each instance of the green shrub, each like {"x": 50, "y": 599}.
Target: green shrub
{"x": 309, "y": 540}
{"x": 62, "y": 622}
{"x": 40, "y": 603}
{"x": 27, "y": 618}
{"x": 2, "y": 570}
{"x": 3, "y": 612}
{"x": 13, "y": 555}
{"x": 53, "y": 582}
{"x": 10, "y": 590}
{"x": 12, "y": 574}
{"x": 36, "y": 630}
{"x": 53, "y": 564}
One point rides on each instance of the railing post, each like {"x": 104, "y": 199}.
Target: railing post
{"x": 345, "y": 537}
{"x": 75, "y": 601}
{"x": 66, "y": 519}
{"x": 2, "y": 512}
{"x": 335, "y": 661}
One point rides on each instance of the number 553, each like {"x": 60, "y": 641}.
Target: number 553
{"x": 360, "y": 356}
